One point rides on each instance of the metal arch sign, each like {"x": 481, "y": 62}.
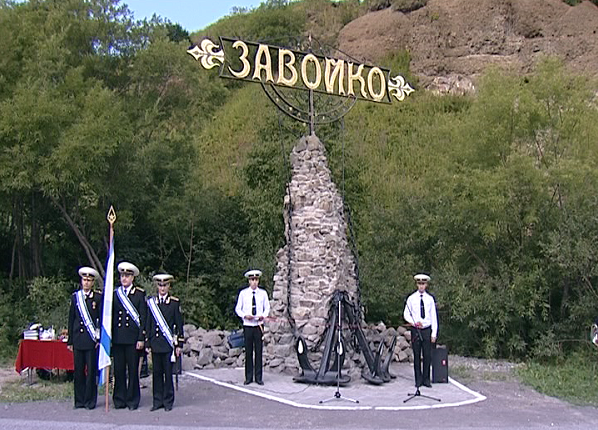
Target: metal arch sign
{"x": 258, "y": 62}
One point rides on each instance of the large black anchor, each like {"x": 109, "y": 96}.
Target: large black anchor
{"x": 377, "y": 371}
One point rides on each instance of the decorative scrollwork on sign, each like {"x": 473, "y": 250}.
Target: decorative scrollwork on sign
{"x": 398, "y": 88}
{"x": 209, "y": 54}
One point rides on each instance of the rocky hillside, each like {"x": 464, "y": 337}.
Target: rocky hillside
{"x": 452, "y": 41}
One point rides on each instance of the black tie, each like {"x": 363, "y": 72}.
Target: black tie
{"x": 253, "y": 305}
{"x": 422, "y": 311}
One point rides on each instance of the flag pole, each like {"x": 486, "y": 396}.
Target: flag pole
{"x": 106, "y": 336}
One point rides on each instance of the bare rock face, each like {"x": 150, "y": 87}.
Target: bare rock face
{"x": 456, "y": 40}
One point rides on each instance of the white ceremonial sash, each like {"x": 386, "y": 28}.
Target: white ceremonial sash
{"x": 159, "y": 317}
{"x": 126, "y": 302}
{"x": 84, "y": 312}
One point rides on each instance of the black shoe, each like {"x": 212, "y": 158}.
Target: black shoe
{"x": 428, "y": 385}
{"x": 132, "y": 408}
{"x": 247, "y": 382}
{"x": 260, "y": 382}
{"x": 89, "y": 408}
{"x": 155, "y": 408}
{"x": 168, "y": 408}
{"x": 119, "y": 406}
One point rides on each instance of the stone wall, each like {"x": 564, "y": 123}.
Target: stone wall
{"x": 208, "y": 349}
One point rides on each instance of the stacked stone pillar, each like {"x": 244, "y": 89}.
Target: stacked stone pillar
{"x": 315, "y": 261}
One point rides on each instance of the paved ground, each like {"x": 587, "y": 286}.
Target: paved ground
{"x": 359, "y": 395}
{"x": 217, "y": 399}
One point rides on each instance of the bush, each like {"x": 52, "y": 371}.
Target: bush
{"x": 50, "y": 301}
{"x": 14, "y": 313}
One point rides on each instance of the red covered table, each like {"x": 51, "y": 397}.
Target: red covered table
{"x": 43, "y": 354}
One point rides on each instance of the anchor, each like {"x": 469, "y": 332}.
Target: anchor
{"x": 377, "y": 371}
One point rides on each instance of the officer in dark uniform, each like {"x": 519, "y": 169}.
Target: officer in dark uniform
{"x": 85, "y": 316}
{"x": 165, "y": 339}
{"x": 129, "y": 314}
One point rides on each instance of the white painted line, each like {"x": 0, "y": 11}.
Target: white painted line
{"x": 477, "y": 398}
{"x": 457, "y": 384}
{"x": 276, "y": 399}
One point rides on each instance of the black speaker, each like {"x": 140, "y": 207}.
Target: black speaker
{"x": 439, "y": 364}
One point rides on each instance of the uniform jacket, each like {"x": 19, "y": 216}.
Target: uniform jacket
{"x": 78, "y": 335}
{"x": 171, "y": 310}
{"x": 124, "y": 329}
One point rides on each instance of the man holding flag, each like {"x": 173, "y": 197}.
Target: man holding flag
{"x": 129, "y": 310}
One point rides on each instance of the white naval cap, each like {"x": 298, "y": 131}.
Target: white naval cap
{"x": 422, "y": 277}
{"x": 88, "y": 272}
{"x": 163, "y": 278}
{"x": 128, "y": 268}
{"x": 253, "y": 273}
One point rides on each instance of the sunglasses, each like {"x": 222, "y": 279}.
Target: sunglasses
{"x": 254, "y": 279}
{"x": 422, "y": 282}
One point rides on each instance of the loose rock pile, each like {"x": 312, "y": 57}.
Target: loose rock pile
{"x": 209, "y": 349}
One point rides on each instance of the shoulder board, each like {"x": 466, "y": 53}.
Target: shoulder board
{"x": 140, "y": 289}
{"x": 176, "y": 299}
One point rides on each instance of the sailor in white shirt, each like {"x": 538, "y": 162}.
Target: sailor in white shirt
{"x": 252, "y": 307}
{"x": 420, "y": 313}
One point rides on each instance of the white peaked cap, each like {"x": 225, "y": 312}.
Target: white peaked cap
{"x": 163, "y": 277}
{"x": 422, "y": 277}
{"x": 126, "y": 267}
{"x": 252, "y": 273}
{"x": 87, "y": 272}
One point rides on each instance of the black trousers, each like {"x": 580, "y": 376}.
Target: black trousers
{"x": 253, "y": 345}
{"x": 422, "y": 347}
{"x": 85, "y": 377}
{"x": 126, "y": 376}
{"x": 162, "y": 386}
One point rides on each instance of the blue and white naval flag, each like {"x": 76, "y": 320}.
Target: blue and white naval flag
{"x": 106, "y": 330}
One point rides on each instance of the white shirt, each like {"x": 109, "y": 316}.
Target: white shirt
{"x": 244, "y": 305}
{"x": 412, "y": 313}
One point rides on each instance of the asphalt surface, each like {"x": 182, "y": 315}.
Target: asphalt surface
{"x": 217, "y": 399}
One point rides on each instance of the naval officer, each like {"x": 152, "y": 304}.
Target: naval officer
{"x": 85, "y": 316}
{"x": 420, "y": 313}
{"x": 165, "y": 339}
{"x": 129, "y": 312}
{"x": 253, "y": 307}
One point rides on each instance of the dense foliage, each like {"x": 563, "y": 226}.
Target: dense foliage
{"x": 493, "y": 194}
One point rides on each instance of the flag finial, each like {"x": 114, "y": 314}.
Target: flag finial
{"x": 111, "y": 215}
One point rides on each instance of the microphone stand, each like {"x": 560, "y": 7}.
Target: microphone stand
{"x": 339, "y": 352}
{"x": 417, "y": 393}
